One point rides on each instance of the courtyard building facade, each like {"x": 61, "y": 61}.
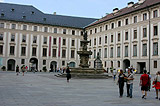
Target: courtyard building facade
{"x": 126, "y": 37}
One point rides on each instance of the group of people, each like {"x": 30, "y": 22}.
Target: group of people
{"x": 145, "y": 82}
{"x": 23, "y": 69}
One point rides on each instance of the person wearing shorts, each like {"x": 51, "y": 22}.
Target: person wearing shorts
{"x": 144, "y": 83}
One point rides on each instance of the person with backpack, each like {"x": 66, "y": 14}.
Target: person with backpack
{"x": 144, "y": 83}
{"x": 120, "y": 82}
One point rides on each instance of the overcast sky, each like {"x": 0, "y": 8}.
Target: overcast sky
{"x": 80, "y": 8}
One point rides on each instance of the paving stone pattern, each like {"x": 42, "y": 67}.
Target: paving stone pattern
{"x": 44, "y": 89}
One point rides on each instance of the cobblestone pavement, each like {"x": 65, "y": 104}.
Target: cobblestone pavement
{"x": 44, "y": 89}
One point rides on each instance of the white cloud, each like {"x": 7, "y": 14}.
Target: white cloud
{"x": 1, "y": 0}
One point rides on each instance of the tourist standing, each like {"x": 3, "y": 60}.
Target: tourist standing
{"x": 130, "y": 79}
{"x": 23, "y": 70}
{"x": 114, "y": 74}
{"x": 156, "y": 84}
{"x": 17, "y": 69}
{"x": 149, "y": 87}
{"x": 120, "y": 82}
{"x": 144, "y": 83}
{"x": 26, "y": 69}
{"x": 68, "y": 74}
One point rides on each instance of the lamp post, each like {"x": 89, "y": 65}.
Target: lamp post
{"x": 149, "y": 38}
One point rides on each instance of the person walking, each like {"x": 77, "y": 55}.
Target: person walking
{"x": 144, "y": 83}
{"x": 68, "y": 74}
{"x": 26, "y": 69}
{"x": 17, "y": 70}
{"x": 120, "y": 82}
{"x": 149, "y": 87}
{"x": 130, "y": 79}
{"x": 156, "y": 84}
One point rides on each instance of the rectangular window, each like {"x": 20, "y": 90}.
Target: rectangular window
{"x": 112, "y": 25}
{"x": 106, "y": 27}
{"x": 22, "y": 61}
{"x": 90, "y": 32}
{"x": 1, "y": 25}
{"x": 35, "y": 28}
{"x": 34, "y": 50}
{"x": 155, "y": 30}
{"x": 34, "y": 39}
{"x": 126, "y": 51}
{"x": 119, "y": 23}
{"x": 63, "y": 63}
{"x": 73, "y": 32}
{"x": 12, "y": 38}
{"x": 144, "y": 16}
{"x": 64, "y": 41}
{"x": 100, "y": 40}
{"x": 144, "y": 32}
{"x": 44, "y": 62}
{"x": 45, "y": 40}
{"x": 54, "y": 52}
{"x": 119, "y": 37}
{"x": 119, "y": 64}
{"x": 95, "y": 30}
{"x": 100, "y": 52}
{"x": 23, "y": 51}
{"x": 64, "y": 31}
{"x": 63, "y": 53}
{"x": 54, "y": 41}
{"x": 24, "y": 38}
{"x": 155, "y": 64}
{"x": 11, "y": 50}
{"x": 94, "y": 53}
{"x": 155, "y": 13}
{"x": 155, "y": 49}
{"x": 45, "y": 29}
{"x": 105, "y": 52}
{"x": 134, "y": 50}
{"x": 72, "y": 53}
{"x": 90, "y": 43}
{"x": 105, "y": 39}
{"x": 111, "y": 38}
{"x": 111, "y": 52}
{"x": 135, "y": 19}
{"x": 135, "y": 34}
{"x": 73, "y": 42}
{"x": 94, "y": 41}
{"x": 44, "y": 52}
{"x": 13, "y": 26}
{"x": 81, "y": 32}
{"x": 55, "y": 30}
{"x": 126, "y": 21}
{"x": 118, "y": 52}
{"x": 144, "y": 50}
{"x": 24, "y": 27}
{"x": 1, "y": 37}
{"x": 126, "y": 35}
{"x": 1, "y": 49}
{"x": 100, "y": 29}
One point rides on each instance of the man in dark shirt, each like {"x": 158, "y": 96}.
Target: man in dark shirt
{"x": 144, "y": 83}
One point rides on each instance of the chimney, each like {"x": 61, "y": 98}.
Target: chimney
{"x": 140, "y": 1}
{"x": 54, "y": 13}
{"x": 115, "y": 10}
{"x": 130, "y": 4}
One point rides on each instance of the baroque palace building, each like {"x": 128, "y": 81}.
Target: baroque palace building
{"x": 126, "y": 37}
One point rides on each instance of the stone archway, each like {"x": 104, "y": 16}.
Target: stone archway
{"x": 33, "y": 64}
{"x": 11, "y": 65}
{"x": 53, "y": 66}
{"x": 72, "y": 64}
{"x": 126, "y": 64}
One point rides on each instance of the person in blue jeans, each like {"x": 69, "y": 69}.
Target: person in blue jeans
{"x": 130, "y": 79}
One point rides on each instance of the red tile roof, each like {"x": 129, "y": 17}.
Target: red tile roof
{"x": 127, "y": 10}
